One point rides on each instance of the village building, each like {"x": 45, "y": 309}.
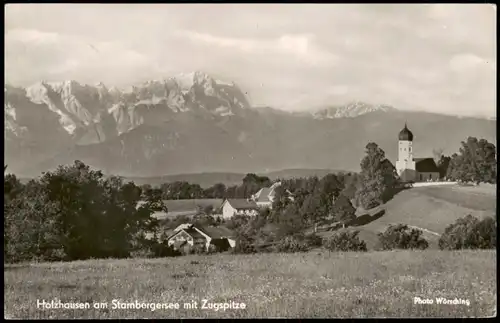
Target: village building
{"x": 412, "y": 169}
{"x": 232, "y": 207}
{"x": 187, "y": 236}
{"x": 264, "y": 198}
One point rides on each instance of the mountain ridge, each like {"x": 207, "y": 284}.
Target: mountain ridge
{"x": 196, "y": 123}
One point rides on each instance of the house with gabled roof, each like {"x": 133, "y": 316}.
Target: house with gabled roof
{"x": 265, "y": 196}
{"x": 232, "y": 207}
{"x": 188, "y": 236}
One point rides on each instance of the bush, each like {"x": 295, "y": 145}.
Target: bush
{"x": 345, "y": 240}
{"x": 469, "y": 233}
{"x": 244, "y": 245}
{"x": 198, "y": 249}
{"x": 292, "y": 244}
{"x": 313, "y": 240}
{"x": 401, "y": 236}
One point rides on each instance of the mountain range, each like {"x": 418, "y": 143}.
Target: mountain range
{"x": 193, "y": 123}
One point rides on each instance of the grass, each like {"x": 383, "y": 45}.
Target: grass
{"x": 315, "y": 284}
{"x": 431, "y": 209}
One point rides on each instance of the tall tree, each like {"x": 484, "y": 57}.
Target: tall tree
{"x": 343, "y": 209}
{"x": 377, "y": 179}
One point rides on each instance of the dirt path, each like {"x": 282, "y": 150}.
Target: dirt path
{"x": 425, "y": 230}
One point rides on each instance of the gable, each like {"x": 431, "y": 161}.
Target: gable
{"x": 181, "y": 234}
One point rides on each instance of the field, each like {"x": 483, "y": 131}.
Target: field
{"x": 315, "y": 284}
{"x": 431, "y": 209}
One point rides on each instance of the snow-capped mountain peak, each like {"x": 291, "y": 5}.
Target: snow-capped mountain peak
{"x": 350, "y": 110}
{"x": 80, "y": 106}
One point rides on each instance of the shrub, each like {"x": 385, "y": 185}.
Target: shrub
{"x": 469, "y": 233}
{"x": 345, "y": 240}
{"x": 212, "y": 249}
{"x": 244, "y": 245}
{"x": 292, "y": 244}
{"x": 313, "y": 240}
{"x": 198, "y": 249}
{"x": 401, "y": 236}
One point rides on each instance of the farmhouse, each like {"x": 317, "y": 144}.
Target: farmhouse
{"x": 187, "y": 236}
{"x": 232, "y": 207}
{"x": 413, "y": 169}
{"x": 265, "y": 196}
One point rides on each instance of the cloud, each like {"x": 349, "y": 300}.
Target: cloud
{"x": 32, "y": 36}
{"x": 438, "y": 57}
{"x": 53, "y": 55}
{"x": 467, "y": 62}
{"x": 300, "y": 46}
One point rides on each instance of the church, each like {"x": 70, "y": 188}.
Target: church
{"x": 414, "y": 169}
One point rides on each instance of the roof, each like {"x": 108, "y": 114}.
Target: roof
{"x": 426, "y": 165}
{"x": 264, "y": 195}
{"x": 183, "y": 227}
{"x": 217, "y": 232}
{"x": 406, "y": 134}
{"x": 192, "y": 232}
{"x": 242, "y": 204}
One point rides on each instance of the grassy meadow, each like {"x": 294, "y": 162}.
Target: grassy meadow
{"x": 430, "y": 209}
{"x": 308, "y": 285}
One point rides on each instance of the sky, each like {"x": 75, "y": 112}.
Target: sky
{"x": 428, "y": 57}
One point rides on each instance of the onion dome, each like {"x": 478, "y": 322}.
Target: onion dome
{"x": 405, "y": 134}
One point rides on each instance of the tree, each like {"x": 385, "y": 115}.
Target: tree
{"x": 75, "y": 213}
{"x": 401, "y": 236}
{"x": 343, "y": 209}
{"x": 443, "y": 165}
{"x": 438, "y": 154}
{"x": 377, "y": 179}
{"x": 345, "y": 240}
{"x": 475, "y": 162}
{"x": 469, "y": 233}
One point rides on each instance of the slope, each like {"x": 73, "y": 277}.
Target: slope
{"x": 430, "y": 209}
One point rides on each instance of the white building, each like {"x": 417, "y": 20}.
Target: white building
{"x": 232, "y": 207}
{"x": 265, "y": 196}
{"x": 412, "y": 169}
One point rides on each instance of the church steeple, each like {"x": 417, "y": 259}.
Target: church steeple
{"x": 405, "y": 134}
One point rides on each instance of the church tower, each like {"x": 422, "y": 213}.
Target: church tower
{"x": 405, "y": 165}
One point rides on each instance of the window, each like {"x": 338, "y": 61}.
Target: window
{"x": 409, "y": 149}
{"x": 430, "y": 176}
{"x": 421, "y": 177}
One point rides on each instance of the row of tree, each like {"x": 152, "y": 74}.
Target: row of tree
{"x": 180, "y": 190}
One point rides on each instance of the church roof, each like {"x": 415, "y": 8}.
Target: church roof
{"x": 426, "y": 165}
{"x": 406, "y": 134}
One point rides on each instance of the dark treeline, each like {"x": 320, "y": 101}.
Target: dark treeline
{"x": 181, "y": 190}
